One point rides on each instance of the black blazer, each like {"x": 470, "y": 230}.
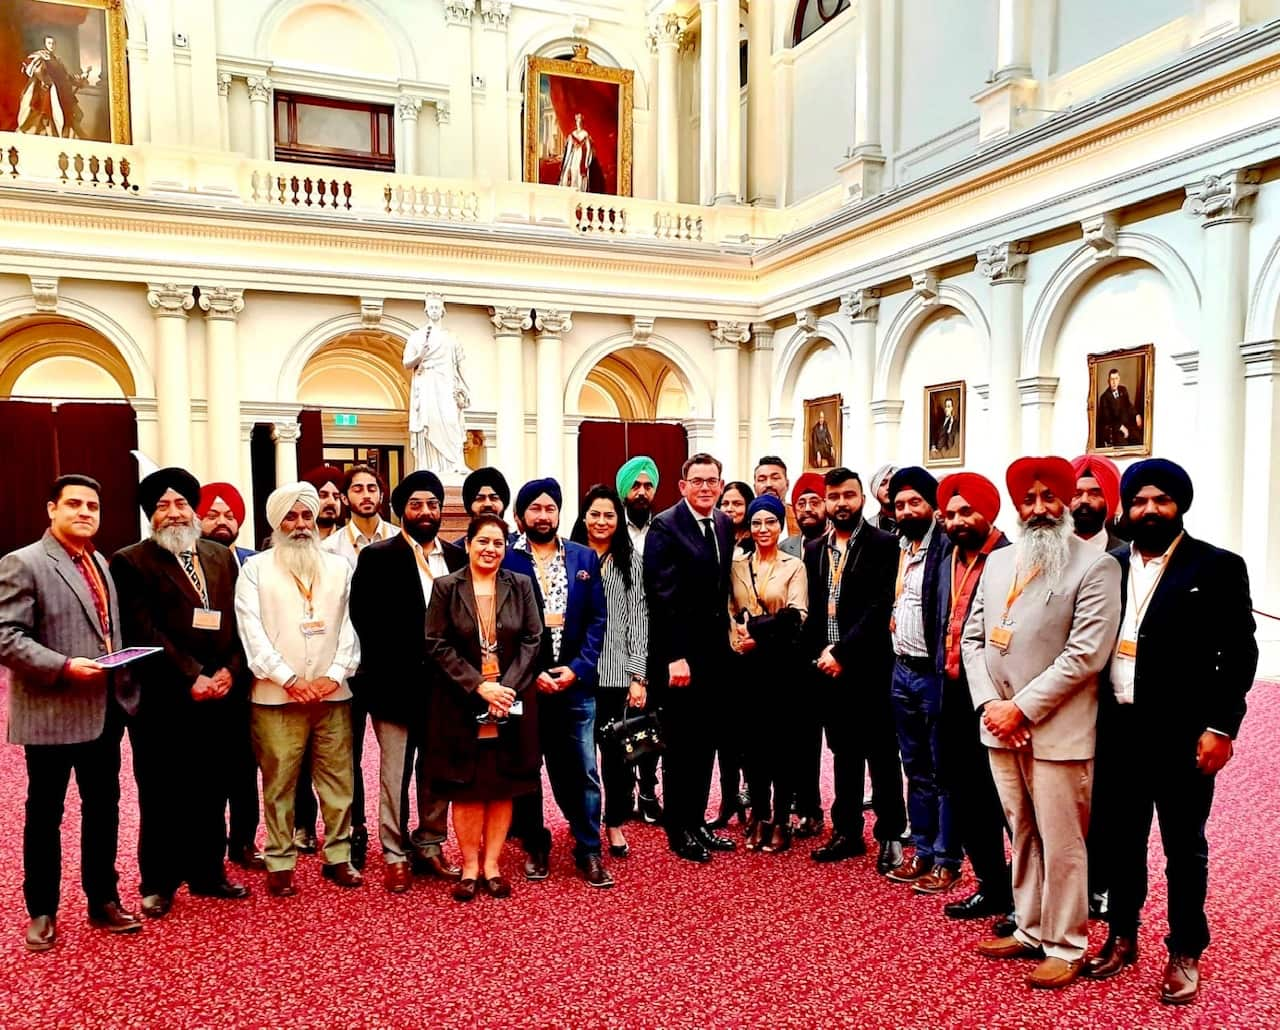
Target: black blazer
{"x": 389, "y": 614}
{"x": 929, "y": 588}
{"x": 687, "y": 590}
{"x": 942, "y": 601}
{"x": 157, "y": 604}
{"x": 453, "y": 645}
{"x": 1197, "y": 655}
{"x": 865, "y": 605}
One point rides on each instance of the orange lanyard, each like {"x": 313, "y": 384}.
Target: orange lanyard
{"x": 1140, "y": 610}
{"x": 419, "y": 557}
{"x": 837, "y": 568}
{"x": 99, "y": 588}
{"x": 958, "y": 589}
{"x": 488, "y": 634}
{"x": 351, "y": 535}
{"x": 902, "y": 572}
{"x": 1016, "y": 589}
{"x": 542, "y": 568}
{"x": 306, "y": 592}
{"x": 759, "y": 588}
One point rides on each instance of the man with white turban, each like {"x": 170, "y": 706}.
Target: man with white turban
{"x": 291, "y": 608}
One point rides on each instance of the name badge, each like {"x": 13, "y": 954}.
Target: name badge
{"x": 1128, "y": 649}
{"x": 206, "y": 618}
{"x": 831, "y": 609}
{"x": 950, "y": 640}
{"x": 313, "y": 627}
{"x": 489, "y": 667}
{"x": 1001, "y": 637}
{"x": 555, "y": 620}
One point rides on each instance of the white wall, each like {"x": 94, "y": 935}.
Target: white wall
{"x": 1085, "y": 29}
{"x": 823, "y": 109}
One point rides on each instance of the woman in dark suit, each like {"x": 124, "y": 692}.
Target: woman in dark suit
{"x": 485, "y": 633}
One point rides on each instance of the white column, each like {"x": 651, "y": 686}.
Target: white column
{"x": 727, "y": 339}
{"x": 784, "y": 63}
{"x": 1004, "y": 265}
{"x": 886, "y": 417}
{"x": 509, "y": 325}
{"x": 1262, "y": 482}
{"x": 862, "y": 174}
{"x": 1225, "y": 203}
{"x": 286, "y": 436}
{"x": 728, "y": 108}
{"x": 762, "y": 155}
{"x": 707, "y": 86}
{"x": 457, "y": 145}
{"x": 407, "y": 108}
{"x": 222, "y": 307}
{"x": 170, "y": 303}
{"x": 551, "y": 326}
{"x": 224, "y": 109}
{"x": 492, "y": 161}
{"x": 862, "y": 308}
{"x": 244, "y": 481}
{"x": 781, "y": 429}
{"x": 1013, "y": 39}
{"x": 758, "y": 413}
{"x": 1036, "y": 395}
{"x": 260, "y": 116}
{"x": 570, "y": 485}
{"x": 665, "y": 39}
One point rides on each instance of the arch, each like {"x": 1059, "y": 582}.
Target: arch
{"x": 295, "y": 361}
{"x": 1075, "y": 272}
{"x": 1263, "y": 321}
{"x": 696, "y": 386}
{"x": 552, "y": 41}
{"x": 796, "y": 351}
{"x": 892, "y": 353}
{"x": 394, "y": 32}
{"x": 368, "y": 361}
{"x": 810, "y": 17}
{"x": 135, "y": 22}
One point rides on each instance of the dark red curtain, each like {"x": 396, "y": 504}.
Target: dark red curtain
{"x": 26, "y": 427}
{"x": 97, "y": 439}
{"x": 598, "y": 104}
{"x": 604, "y": 446}
{"x": 311, "y": 442}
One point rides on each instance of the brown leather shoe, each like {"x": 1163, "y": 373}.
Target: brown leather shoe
{"x": 1181, "y": 980}
{"x": 939, "y": 881}
{"x": 1053, "y": 973}
{"x": 1008, "y": 947}
{"x": 437, "y": 866}
{"x": 395, "y": 877}
{"x": 280, "y": 883}
{"x": 42, "y": 933}
{"x": 913, "y": 869}
{"x": 1117, "y": 953}
{"x": 248, "y": 857}
{"x": 114, "y": 919}
{"x": 344, "y": 874}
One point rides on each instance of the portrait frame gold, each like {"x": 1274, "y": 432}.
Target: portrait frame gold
{"x": 935, "y": 398}
{"x": 1137, "y": 367}
{"x": 832, "y": 407}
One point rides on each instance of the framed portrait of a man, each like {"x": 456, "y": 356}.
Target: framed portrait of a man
{"x": 578, "y": 124}
{"x": 1121, "y": 392}
{"x": 63, "y": 70}
{"x": 822, "y": 433}
{"x": 944, "y": 417}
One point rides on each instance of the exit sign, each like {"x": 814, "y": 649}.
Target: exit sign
{"x": 345, "y": 419}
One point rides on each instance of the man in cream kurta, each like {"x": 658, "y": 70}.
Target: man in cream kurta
{"x": 291, "y": 607}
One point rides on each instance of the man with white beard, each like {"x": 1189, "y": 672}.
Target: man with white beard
{"x": 177, "y": 593}
{"x": 1043, "y": 626}
{"x": 291, "y": 607}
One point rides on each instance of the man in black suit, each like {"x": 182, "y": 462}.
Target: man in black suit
{"x": 851, "y": 576}
{"x": 1119, "y": 425}
{"x": 946, "y": 435}
{"x": 390, "y": 590}
{"x": 686, "y": 577}
{"x": 177, "y": 592}
{"x": 1184, "y": 661}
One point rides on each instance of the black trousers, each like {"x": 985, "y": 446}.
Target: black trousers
{"x": 965, "y": 771}
{"x": 730, "y": 731}
{"x": 858, "y": 720}
{"x": 305, "y": 807}
{"x": 96, "y": 764}
{"x": 807, "y": 755}
{"x": 242, "y": 785}
{"x": 689, "y": 717}
{"x": 1160, "y": 778}
{"x": 617, "y": 776}
{"x": 769, "y": 732}
{"x": 1109, "y": 786}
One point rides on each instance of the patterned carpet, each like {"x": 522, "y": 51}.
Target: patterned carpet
{"x": 752, "y": 940}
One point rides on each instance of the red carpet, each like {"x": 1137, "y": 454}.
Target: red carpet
{"x": 752, "y": 940}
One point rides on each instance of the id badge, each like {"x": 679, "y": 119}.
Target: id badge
{"x": 489, "y": 667}
{"x": 312, "y": 627}
{"x": 206, "y": 618}
{"x": 1001, "y": 637}
{"x": 555, "y": 620}
{"x": 831, "y": 609}
{"x": 1127, "y": 649}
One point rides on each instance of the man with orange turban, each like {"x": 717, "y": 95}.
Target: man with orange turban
{"x": 1095, "y": 501}
{"x": 221, "y": 512}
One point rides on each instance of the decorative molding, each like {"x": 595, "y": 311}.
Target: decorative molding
{"x": 510, "y": 320}
{"x": 221, "y": 303}
{"x": 728, "y": 335}
{"x": 286, "y": 432}
{"x": 1261, "y": 359}
{"x": 641, "y": 329}
{"x": 807, "y": 321}
{"x": 925, "y": 286}
{"x": 1004, "y": 262}
{"x": 442, "y": 112}
{"x": 667, "y": 30}
{"x": 1037, "y": 389}
{"x": 224, "y": 83}
{"x": 886, "y": 412}
{"x": 407, "y": 107}
{"x": 1228, "y": 197}
{"x": 553, "y": 322}
{"x": 371, "y": 312}
{"x": 983, "y": 390}
{"x": 458, "y": 12}
{"x": 44, "y": 288}
{"x": 781, "y": 426}
{"x": 259, "y": 89}
{"x": 762, "y": 334}
{"x": 1101, "y": 234}
{"x": 169, "y": 300}
{"x": 495, "y": 14}
{"x": 1189, "y": 362}
{"x": 861, "y": 305}
{"x": 578, "y": 25}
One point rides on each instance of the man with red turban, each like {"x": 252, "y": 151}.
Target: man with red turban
{"x": 1043, "y": 626}
{"x": 1095, "y": 501}
{"x": 221, "y": 512}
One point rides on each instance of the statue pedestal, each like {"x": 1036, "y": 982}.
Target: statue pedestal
{"x": 454, "y": 518}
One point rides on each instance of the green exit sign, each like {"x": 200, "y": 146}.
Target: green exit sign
{"x": 345, "y": 419}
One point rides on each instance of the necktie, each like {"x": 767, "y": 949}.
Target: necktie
{"x": 189, "y": 564}
{"x": 709, "y": 534}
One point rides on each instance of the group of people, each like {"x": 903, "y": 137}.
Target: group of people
{"x": 990, "y": 688}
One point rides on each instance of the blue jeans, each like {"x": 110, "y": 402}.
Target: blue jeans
{"x": 917, "y": 712}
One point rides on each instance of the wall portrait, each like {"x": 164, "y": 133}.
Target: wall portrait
{"x": 62, "y": 69}
{"x": 944, "y": 416}
{"x": 578, "y": 124}
{"x": 822, "y": 433}
{"x": 1121, "y": 392}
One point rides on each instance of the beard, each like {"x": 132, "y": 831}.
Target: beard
{"x": 1047, "y": 547}
{"x": 1153, "y": 534}
{"x": 541, "y": 536}
{"x": 298, "y": 555}
{"x": 176, "y": 539}
{"x": 638, "y": 511}
{"x": 423, "y": 531}
{"x": 814, "y": 529}
{"x": 221, "y": 535}
{"x": 845, "y": 522}
{"x": 1088, "y": 521}
{"x": 914, "y": 528}
{"x": 326, "y": 521}
{"x": 967, "y": 538}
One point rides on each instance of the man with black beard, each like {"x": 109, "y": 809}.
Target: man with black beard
{"x": 1180, "y": 669}
{"x": 1043, "y": 625}
{"x": 327, "y": 479}
{"x": 395, "y": 677}
{"x": 177, "y": 592}
{"x": 484, "y": 492}
{"x": 1096, "y": 500}
{"x": 850, "y": 572}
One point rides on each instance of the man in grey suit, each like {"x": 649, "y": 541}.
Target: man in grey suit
{"x": 58, "y": 613}
{"x": 1044, "y": 623}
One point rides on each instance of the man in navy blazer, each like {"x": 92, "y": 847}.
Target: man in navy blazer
{"x": 570, "y": 593}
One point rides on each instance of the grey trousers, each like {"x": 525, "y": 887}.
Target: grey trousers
{"x": 393, "y": 779}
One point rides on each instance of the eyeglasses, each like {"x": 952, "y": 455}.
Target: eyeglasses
{"x": 699, "y": 483}
{"x": 767, "y": 523}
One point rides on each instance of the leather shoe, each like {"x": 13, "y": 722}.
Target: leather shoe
{"x": 1054, "y": 973}
{"x": 535, "y": 866}
{"x": 809, "y": 826}
{"x": 1008, "y": 947}
{"x": 496, "y": 886}
{"x": 114, "y": 919}
{"x": 976, "y": 906}
{"x": 686, "y": 846}
{"x": 395, "y": 877}
{"x": 839, "y": 847}
{"x": 713, "y": 841}
{"x": 305, "y": 841}
{"x": 1181, "y": 981}
{"x": 890, "y": 857}
{"x": 437, "y": 866}
{"x": 1005, "y": 926}
{"x": 464, "y": 889}
{"x": 280, "y": 883}
{"x": 649, "y": 809}
{"x": 359, "y": 847}
{"x": 225, "y": 889}
{"x": 1117, "y": 953}
{"x": 913, "y": 869}
{"x": 941, "y": 880}
{"x": 156, "y": 906}
{"x": 248, "y": 857}
{"x": 594, "y": 872}
{"x": 344, "y": 874}
{"x": 42, "y": 933}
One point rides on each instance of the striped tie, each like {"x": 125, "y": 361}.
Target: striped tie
{"x": 189, "y": 563}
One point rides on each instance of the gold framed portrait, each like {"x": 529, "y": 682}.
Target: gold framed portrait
{"x": 1121, "y": 395}
{"x": 578, "y": 124}
{"x": 822, "y": 433}
{"x": 944, "y": 415}
{"x": 63, "y": 69}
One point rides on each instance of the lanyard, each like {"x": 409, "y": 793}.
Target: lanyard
{"x": 1016, "y": 589}
{"x": 488, "y": 634}
{"x": 758, "y": 589}
{"x": 903, "y": 558}
{"x": 542, "y": 568}
{"x": 351, "y": 535}
{"x": 957, "y": 590}
{"x": 419, "y": 557}
{"x": 100, "y": 589}
{"x": 1140, "y": 609}
{"x": 306, "y": 591}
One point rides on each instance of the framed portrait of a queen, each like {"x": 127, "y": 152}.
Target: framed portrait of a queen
{"x": 577, "y": 124}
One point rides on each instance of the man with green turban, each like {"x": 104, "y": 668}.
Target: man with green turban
{"x": 637, "y": 483}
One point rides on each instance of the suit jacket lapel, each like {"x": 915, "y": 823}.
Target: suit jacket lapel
{"x": 1177, "y": 576}
{"x": 502, "y": 596}
{"x": 71, "y": 576}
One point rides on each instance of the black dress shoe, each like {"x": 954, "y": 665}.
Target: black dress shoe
{"x": 359, "y": 847}
{"x": 437, "y": 866}
{"x": 808, "y": 826}
{"x": 976, "y": 906}
{"x": 1004, "y": 926}
{"x": 650, "y": 810}
{"x": 535, "y": 866}
{"x": 1119, "y": 951}
{"x": 156, "y": 906}
{"x": 114, "y": 919}
{"x": 226, "y": 890}
{"x": 687, "y": 846}
{"x": 839, "y": 847}
{"x": 42, "y": 933}
{"x": 464, "y": 889}
{"x": 713, "y": 841}
{"x": 594, "y": 872}
{"x": 890, "y": 856}
{"x": 247, "y": 857}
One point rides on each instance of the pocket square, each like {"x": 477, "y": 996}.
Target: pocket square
{"x": 1194, "y": 590}
{"x": 583, "y": 575}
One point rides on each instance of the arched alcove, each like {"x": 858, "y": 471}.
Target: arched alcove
{"x": 356, "y": 369}
{"x": 634, "y": 384}
{"x": 54, "y": 356}
{"x": 303, "y": 33}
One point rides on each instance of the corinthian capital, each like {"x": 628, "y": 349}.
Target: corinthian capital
{"x": 286, "y": 432}
{"x": 667, "y": 30}
{"x": 1226, "y": 196}
{"x": 458, "y": 12}
{"x": 728, "y": 334}
{"x": 1004, "y": 262}
{"x": 169, "y": 300}
{"x": 408, "y": 106}
{"x": 222, "y": 302}
{"x": 495, "y": 13}
{"x": 861, "y": 305}
{"x": 553, "y": 322}
{"x": 510, "y": 321}
{"x": 259, "y": 88}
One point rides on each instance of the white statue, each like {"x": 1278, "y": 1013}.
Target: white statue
{"x": 438, "y": 395}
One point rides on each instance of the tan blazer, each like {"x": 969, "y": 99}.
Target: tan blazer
{"x": 1062, "y": 640}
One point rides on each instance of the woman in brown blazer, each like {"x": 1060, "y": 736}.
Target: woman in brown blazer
{"x": 484, "y": 632}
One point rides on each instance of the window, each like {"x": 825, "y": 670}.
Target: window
{"x": 346, "y": 133}
{"x": 811, "y": 15}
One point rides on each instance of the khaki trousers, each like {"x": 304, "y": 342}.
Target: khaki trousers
{"x": 281, "y": 735}
{"x": 1047, "y": 806}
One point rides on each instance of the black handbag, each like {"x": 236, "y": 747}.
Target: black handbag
{"x": 636, "y": 735}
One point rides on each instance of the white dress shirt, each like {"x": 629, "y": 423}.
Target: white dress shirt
{"x": 349, "y": 541}
{"x": 638, "y": 533}
{"x": 436, "y": 565}
{"x": 702, "y": 521}
{"x": 1098, "y": 541}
